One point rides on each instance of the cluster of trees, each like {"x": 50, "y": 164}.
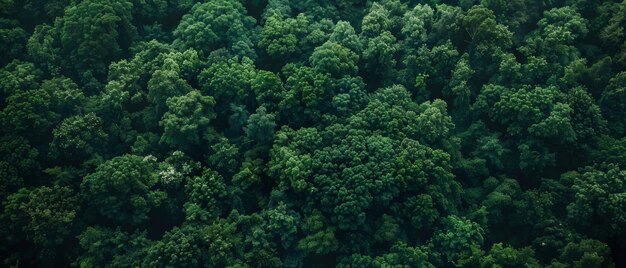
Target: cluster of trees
{"x": 276, "y": 133}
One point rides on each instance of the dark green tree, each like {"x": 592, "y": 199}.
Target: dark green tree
{"x": 212, "y": 245}
{"x": 114, "y": 248}
{"x": 123, "y": 189}
{"x": 283, "y": 36}
{"x": 94, "y": 33}
{"x": 215, "y": 24}
{"x": 78, "y": 137}
{"x": 334, "y": 59}
{"x": 43, "y": 216}
{"x": 611, "y": 103}
{"x": 187, "y": 119}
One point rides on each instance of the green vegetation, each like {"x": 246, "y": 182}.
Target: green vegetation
{"x": 314, "y": 133}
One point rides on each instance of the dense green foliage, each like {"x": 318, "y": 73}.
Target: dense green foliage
{"x": 277, "y": 133}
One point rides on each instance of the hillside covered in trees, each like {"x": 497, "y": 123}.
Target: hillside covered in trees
{"x": 313, "y": 133}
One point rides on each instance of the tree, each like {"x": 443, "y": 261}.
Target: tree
{"x": 598, "y": 205}
{"x": 556, "y": 32}
{"x": 43, "y": 216}
{"x": 345, "y": 35}
{"x": 187, "y": 119}
{"x": 282, "y": 37}
{"x": 491, "y": 149}
{"x": 123, "y": 189}
{"x": 447, "y": 24}
{"x": 426, "y": 68}
{"x": 305, "y": 161}
{"x": 212, "y": 245}
{"x": 488, "y": 40}
{"x": 511, "y": 257}
{"x": 44, "y": 48}
{"x": 19, "y": 76}
{"x": 379, "y": 55}
{"x": 39, "y": 11}
{"x": 229, "y": 82}
{"x": 608, "y": 151}
{"x": 334, "y": 59}
{"x": 10, "y": 182}
{"x": 351, "y": 97}
{"x": 612, "y": 34}
{"x": 481, "y": 26}
{"x": 29, "y": 113}
{"x": 260, "y": 127}
{"x": 268, "y": 231}
{"x": 376, "y": 21}
{"x": 94, "y": 33}
{"x": 78, "y": 137}
{"x": 12, "y": 39}
{"x": 417, "y": 23}
{"x": 307, "y": 94}
{"x": 207, "y": 196}
{"x": 400, "y": 255}
{"x": 420, "y": 209}
{"x": 115, "y": 248}
{"x": 456, "y": 238}
{"x": 159, "y": 9}
{"x": 319, "y": 240}
{"x": 17, "y": 152}
{"x": 166, "y": 83}
{"x": 587, "y": 120}
{"x": 586, "y": 253}
{"x": 268, "y": 89}
{"x": 387, "y": 110}
{"x": 66, "y": 98}
{"x": 513, "y": 14}
{"x": 212, "y": 25}
{"x": 611, "y": 105}
{"x": 250, "y": 174}
{"x": 224, "y": 156}
{"x": 540, "y": 115}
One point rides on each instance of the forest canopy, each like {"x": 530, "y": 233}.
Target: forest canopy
{"x": 314, "y": 133}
